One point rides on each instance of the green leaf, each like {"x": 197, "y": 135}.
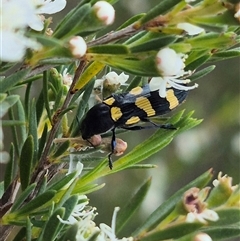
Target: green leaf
{"x": 70, "y": 234}
{"x": 199, "y": 74}
{"x": 62, "y": 182}
{"x": 22, "y": 128}
{"x": 108, "y": 49}
{"x": 71, "y": 24}
{"x": 159, "y": 9}
{"x": 198, "y": 62}
{"x": 10, "y": 168}
{"x": 166, "y": 208}
{"x": 137, "y": 66}
{"x": 69, "y": 205}
{"x": 212, "y": 41}
{"x": 33, "y": 130}
{"x": 35, "y": 203}
{"x": 13, "y": 123}
{"x": 25, "y": 162}
{"x": 28, "y": 230}
{"x": 39, "y": 106}
{"x": 20, "y": 235}
{"x": 45, "y": 93}
{"x": 227, "y": 54}
{"x": 223, "y": 232}
{"x": 51, "y": 229}
{"x": 42, "y": 141}
{"x": 126, "y": 213}
{"x": 12, "y": 80}
{"x": 172, "y": 232}
{"x": 227, "y": 216}
{"x": 131, "y": 20}
{"x": 19, "y": 201}
{"x": 152, "y": 41}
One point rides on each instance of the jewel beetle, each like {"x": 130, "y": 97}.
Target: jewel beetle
{"x": 125, "y": 110}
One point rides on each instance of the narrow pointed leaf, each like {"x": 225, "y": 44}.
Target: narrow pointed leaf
{"x": 199, "y": 74}
{"x": 25, "y": 162}
{"x": 159, "y": 9}
{"x": 108, "y": 49}
{"x": 7, "y": 83}
{"x": 127, "y": 212}
{"x": 28, "y": 230}
{"x": 173, "y": 232}
{"x": 33, "y": 129}
{"x": 36, "y": 203}
{"x": 63, "y": 182}
{"x": 70, "y": 234}
{"x": 9, "y": 171}
{"x": 21, "y": 116}
{"x": 19, "y": 201}
{"x": 227, "y": 216}
{"x": 223, "y": 232}
{"x": 52, "y": 226}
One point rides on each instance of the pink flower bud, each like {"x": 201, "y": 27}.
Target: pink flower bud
{"x": 105, "y": 12}
{"x": 78, "y": 46}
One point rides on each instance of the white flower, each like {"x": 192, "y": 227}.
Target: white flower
{"x": 49, "y": 6}
{"x": 190, "y": 28}
{"x": 14, "y": 45}
{"x": 78, "y": 46}
{"x": 112, "y": 78}
{"x": 86, "y": 228}
{"x": 67, "y": 78}
{"x": 202, "y": 237}
{"x": 79, "y": 212}
{"x": 104, "y": 11}
{"x": 201, "y": 217}
{"x": 26, "y": 14}
{"x": 170, "y": 63}
{"x": 171, "y": 67}
{"x": 108, "y": 233}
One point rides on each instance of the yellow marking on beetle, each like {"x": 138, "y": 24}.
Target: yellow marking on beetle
{"x": 136, "y": 91}
{"x": 109, "y": 101}
{"x": 132, "y": 120}
{"x": 116, "y": 113}
{"x": 172, "y": 99}
{"x": 145, "y": 104}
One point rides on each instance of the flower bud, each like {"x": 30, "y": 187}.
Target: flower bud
{"x": 202, "y": 237}
{"x": 105, "y": 12}
{"x": 78, "y": 46}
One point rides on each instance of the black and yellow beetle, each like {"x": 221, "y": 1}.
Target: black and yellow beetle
{"x": 127, "y": 109}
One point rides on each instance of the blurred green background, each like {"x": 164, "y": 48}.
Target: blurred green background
{"x": 215, "y": 143}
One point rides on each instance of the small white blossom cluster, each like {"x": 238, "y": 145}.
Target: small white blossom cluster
{"x": 171, "y": 67}
{"x": 16, "y": 17}
{"x": 87, "y": 227}
{"x": 112, "y": 78}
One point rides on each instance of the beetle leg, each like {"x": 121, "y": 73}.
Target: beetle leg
{"x": 164, "y": 126}
{"x": 113, "y": 145}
